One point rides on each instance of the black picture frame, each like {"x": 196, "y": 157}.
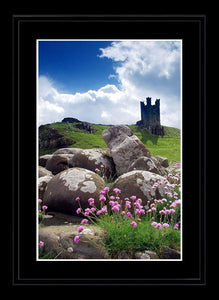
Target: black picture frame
{"x": 25, "y": 270}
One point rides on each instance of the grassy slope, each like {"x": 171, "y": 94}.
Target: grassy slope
{"x": 167, "y": 146}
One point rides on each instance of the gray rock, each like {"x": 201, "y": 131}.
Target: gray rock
{"x": 139, "y": 183}
{"x": 59, "y": 242}
{"x": 163, "y": 161}
{"x": 42, "y": 184}
{"x": 43, "y": 159}
{"x": 63, "y": 188}
{"x": 44, "y": 172}
{"x": 91, "y": 159}
{"x": 57, "y": 163}
{"x": 124, "y": 146}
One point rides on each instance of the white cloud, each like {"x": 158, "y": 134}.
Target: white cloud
{"x": 142, "y": 68}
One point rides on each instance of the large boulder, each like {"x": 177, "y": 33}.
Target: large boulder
{"x": 124, "y": 147}
{"x": 44, "y": 172}
{"x": 147, "y": 164}
{"x": 163, "y": 161}
{"x": 63, "y": 188}
{"x": 139, "y": 183}
{"x": 92, "y": 159}
{"x": 57, "y": 163}
{"x": 42, "y": 184}
{"x": 67, "y": 151}
{"x": 43, "y": 159}
{"x": 59, "y": 242}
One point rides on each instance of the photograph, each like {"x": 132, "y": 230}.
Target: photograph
{"x": 109, "y": 181}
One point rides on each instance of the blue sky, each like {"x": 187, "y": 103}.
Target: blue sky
{"x": 103, "y": 81}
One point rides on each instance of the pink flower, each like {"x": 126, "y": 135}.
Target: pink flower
{"x": 76, "y": 239}
{"x": 91, "y": 201}
{"x": 104, "y": 209}
{"x": 78, "y": 211}
{"x": 80, "y": 228}
{"x": 84, "y": 221}
{"x": 177, "y": 202}
{"x": 129, "y": 214}
{"x": 165, "y": 225}
{"x": 112, "y": 198}
{"x": 140, "y": 211}
{"x": 41, "y": 244}
{"x": 138, "y": 205}
{"x": 102, "y": 192}
{"x": 97, "y": 170}
{"x": 158, "y": 226}
{"x": 105, "y": 232}
{"x": 134, "y": 224}
{"x": 133, "y": 198}
{"x": 40, "y": 201}
{"x": 77, "y": 199}
{"x": 117, "y": 191}
{"x": 93, "y": 209}
{"x": 128, "y": 204}
{"x": 99, "y": 212}
{"x": 176, "y": 227}
{"x": 172, "y": 211}
{"x": 154, "y": 224}
{"x": 44, "y": 207}
{"x": 87, "y": 211}
{"x": 106, "y": 189}
{"x": 102, "y": 198}
{"x": 116, "y": 207}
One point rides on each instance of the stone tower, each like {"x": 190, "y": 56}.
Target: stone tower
{"x": 150, "y": 117}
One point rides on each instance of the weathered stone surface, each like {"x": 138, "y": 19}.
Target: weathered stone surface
{"x": 139, "y": 183}
{"x": 146, "y": 255}
{"x": 44, "y": 172}
{"x": 144, "y": 163}
{"x": 57, "y": 163}
{"x": 67, "y": 151}
{"x": 91, "y": 159}
{"x": 116, "y": 134}
{"x": 63, "y": 188}
{"x": 42, "y": 184}
{"x": 147, "y": 164}
{"x": 59, "y": 242}
{"x": 124, "y": 146}
{"x": 169, "y": 253}
{"x": 163, "y": 161}
{"x": 43, "y": 159}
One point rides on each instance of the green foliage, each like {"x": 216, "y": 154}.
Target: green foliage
{"x": 121, "y": 236}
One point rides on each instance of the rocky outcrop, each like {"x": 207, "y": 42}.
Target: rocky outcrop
{"x": 92, "y": 159}
{"x": 42, "y": 184}
{"x": 125, "y": 147}
{"x": 59, "y": 242}
{"x": 57, "y": 163}
{"x": 163, "y": 161}
{"x": 50, "y": 138}
{"x": 63, "y": 188}
{"x": 139, "y": 183}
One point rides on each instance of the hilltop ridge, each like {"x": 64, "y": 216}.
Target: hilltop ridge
{"x": 88, "y": 136}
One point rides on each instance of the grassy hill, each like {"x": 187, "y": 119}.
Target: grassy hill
{"x": 166, "y": 146}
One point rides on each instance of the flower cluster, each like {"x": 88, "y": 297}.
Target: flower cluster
{"x": 166, "y": 211}
{"x": 129, "y": 208}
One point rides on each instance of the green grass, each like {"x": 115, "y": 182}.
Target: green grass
{"x": 166, "y": 146}
{"x": 122, "y": 236}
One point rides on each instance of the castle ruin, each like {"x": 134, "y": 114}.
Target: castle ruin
{"x": 150, "y": 117}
